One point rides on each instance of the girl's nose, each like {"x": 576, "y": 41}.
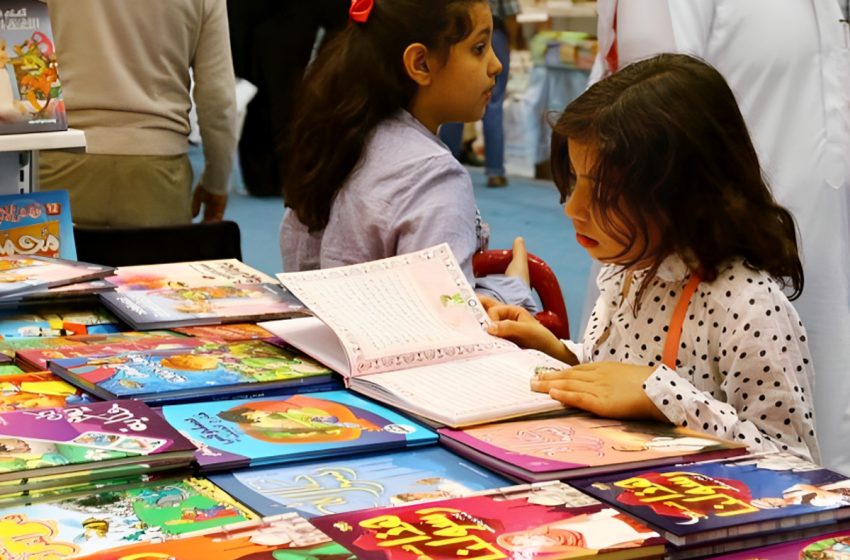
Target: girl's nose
{"x": 495, "y": 64}
{"x": 576, "y": 207}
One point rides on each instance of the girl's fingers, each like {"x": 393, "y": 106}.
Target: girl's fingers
{"x": 572, "y": 373}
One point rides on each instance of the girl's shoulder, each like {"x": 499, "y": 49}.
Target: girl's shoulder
{"x": 738, "y": 283}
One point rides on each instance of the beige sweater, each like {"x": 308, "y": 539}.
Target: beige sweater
{"x": 124, "y": 67}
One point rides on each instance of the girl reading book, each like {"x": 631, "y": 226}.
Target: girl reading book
{"x": 692, "y": 326}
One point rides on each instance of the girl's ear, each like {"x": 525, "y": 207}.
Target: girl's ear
{"x": 416, "y": 63}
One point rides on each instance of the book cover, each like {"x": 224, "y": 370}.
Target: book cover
{"x": 403, "y": 330}
{"x": 365, "y": 481}
{"x": 207, "y": 369}
{"x": 42, "y": 321}
{"x": 35, "y": 390}
{"x": 37, "y": 223}
{"x": 834, "y": 545}
{"x": 549, "y": 521}
{"x": 96, "y": 522}
{"x": 11, "y": 346}
{"x": 79, "y": 292}
{"x": 20, "y": 274}
{"x": 712, "y": 501}
{"x": 30, "y": 92}
{"x": 565, "y": 447}
{"x": 255, "y": 432}
{"x": 197, "y": 293}
{"x": 57, "y": 440}
{"x": 235, "y": 332}
{"x": 283, "y": 537}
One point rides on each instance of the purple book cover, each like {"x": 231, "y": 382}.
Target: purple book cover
{"x": 829, "y": 546}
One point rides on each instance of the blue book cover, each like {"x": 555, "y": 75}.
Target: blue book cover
{"x": 37, "y": 223}
{"x": 703, "y": 502}
{"x": 360, "y": 482}
{"x": 253, "y": 432}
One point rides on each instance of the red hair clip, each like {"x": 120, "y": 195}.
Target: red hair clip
{"x": 360, "y": 10}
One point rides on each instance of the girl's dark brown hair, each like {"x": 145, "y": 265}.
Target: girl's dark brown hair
{"x": 674, "y": 152}
{"x": 356, "y": 82}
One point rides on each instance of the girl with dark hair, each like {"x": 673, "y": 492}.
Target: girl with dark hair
{"x": 691, "y": 327}
{"x": 369, "y": 177}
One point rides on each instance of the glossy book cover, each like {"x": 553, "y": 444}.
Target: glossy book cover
{"x": 577, "y": 445}
{"x": 828, "y": 546}
{"x": 37, "y": 223}
{"x": 523, "y": 523}
{"x": 166, "y": 376}
{"x": 105, "y": 520}
{"x": 360, "y": 482}
{"x": 56, "y": 440}
{"x": 702, "y": 502}
{"x": 240, "y": 433}
{"x": 40, "y": 358}
{"x": 35, "y": 390}
{"x": 21, "y": 274}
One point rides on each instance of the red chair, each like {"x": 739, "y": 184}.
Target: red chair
{"x": 543, "y": 281}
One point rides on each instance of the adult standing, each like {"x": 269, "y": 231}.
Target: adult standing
{"x": 789, "y": 66}
{"x": 125, "y": 76}
{"x": 504, "y": 19}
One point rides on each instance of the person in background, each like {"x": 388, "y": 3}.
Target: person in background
{"x": 789, "y": 68}
{"x": 504, "y": 19}
{"x": 370, "y": 178}
{"x": 691, "y": 327}
{"x": 124, "y": 68}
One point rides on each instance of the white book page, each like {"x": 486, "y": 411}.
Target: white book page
{"x": 313, "y": 337}
{"x": 466, "y": 392}
{"x": 398, "y": 312}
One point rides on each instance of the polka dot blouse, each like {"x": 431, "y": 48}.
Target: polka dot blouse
{"x": 743, "y": 370}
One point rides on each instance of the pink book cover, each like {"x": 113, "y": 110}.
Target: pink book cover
{"x": 829, "y": 546}
{"x": 38, "y": 358}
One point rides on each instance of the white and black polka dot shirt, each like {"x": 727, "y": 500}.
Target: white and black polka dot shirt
{"x": 743, "y": 371}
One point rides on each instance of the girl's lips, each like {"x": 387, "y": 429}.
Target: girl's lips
{"x": 586, "y": 241}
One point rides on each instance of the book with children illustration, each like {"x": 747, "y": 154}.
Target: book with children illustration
{"x": 21, "y": 274}
{"x": 48, "y": 321}
{"x": 409, "y": 331}
{"x": 282, "y": 537}
{"x": 194, "y": 371}
{"x": 34, "y": 390}
{"x": 54, "y": 441}
{"x": 707, "y": 502}
{"x": 267, "y": 431}
{"x": 546, "y": 521}
{"x": 833, "y": 545}
{"x": 353, "y": 483}
{"x": 234, "y": 332}
{"x": 580, "y": 445}
{"x": 30, "y": 92}
{"x": 100, "y": 521}
{"x": 36, "y": 223}
{"x": 197, "y": 293}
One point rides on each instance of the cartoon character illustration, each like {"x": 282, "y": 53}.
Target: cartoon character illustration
{"x": 831, "y": 495}
{"x": 298, "y": 419}
{"x": 10, "y": 107}
{"x": 836, "y": 548}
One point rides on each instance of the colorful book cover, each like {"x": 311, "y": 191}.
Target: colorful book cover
{"x": 20, "y": 274}
{"x": 829, "y": 546}
{"x": 8, "y": 368}
{"x": 30, "y": 92}
{"x": 702, "y": 502}
{"x": 579, "y": 445}
{"x": 360, "y": 482}
{"x": 283, "y": 537}
{"x": 547, "y": 521}
{"x": 37, "y": 223}
{"x": 197, "y": 293}
{"x": 35, "y": 390}
{"x": 96, "y": 522}
{"x": 168, "y": 376}
{"x": 79, "y": 292}
{"x": 41, "y": 321}
{"x": 57, "y": 440}
{"x": 235, "y": 332}
{"x": 11, "y": 346}
{"x": 255, "y": 432}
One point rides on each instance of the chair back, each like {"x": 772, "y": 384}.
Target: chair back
{"x": 158, "y": 244}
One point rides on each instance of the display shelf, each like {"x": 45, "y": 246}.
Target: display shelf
{"x": 59, "y": 139}
{"x": 19, "y": 156}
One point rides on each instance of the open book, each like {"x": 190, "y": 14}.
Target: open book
{"x": 409, "y": 331}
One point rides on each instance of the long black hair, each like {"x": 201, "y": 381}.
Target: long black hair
{"x": 674, "y": 152}
{"x": 356, "y": 82}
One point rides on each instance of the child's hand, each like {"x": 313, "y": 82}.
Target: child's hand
{"x": 516, "y": 324}
{"x": 607, "y": 389}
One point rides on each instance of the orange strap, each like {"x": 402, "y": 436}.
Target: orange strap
{"x": 674, "y": 331}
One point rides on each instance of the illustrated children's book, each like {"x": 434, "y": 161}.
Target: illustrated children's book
{"x": 580, "y": 445}
{"x": 79, "y": 292}
{"x": 257, "y": 432}
{"x": 41, "y": 321}
{"x": 52, "y": 441}
{"x": 12, "y": 346}
{"x": 197, "y": 293}
{"x": 833, "y": 545}
{"x": 36, "y": 223}
{"x": 21, "y": 274}
{"x": 409, "y": 331}
{"x": 189, "y": 374}
{"x": 29, "y": 391}
{"x": 30, "y": 92}
{"x": 235, "y": 332}
{"x": 360, "y": 482}
{"x": 282, "y": 537}
{"x": 96, "y": 522}
{"x": 548, "y": 521}
{"x": 714, "y": 501}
